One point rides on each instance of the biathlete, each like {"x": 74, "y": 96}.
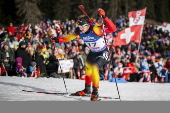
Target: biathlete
{"x": 93, "y": 36}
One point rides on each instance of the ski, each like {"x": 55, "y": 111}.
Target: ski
{"x": 100, "y": 97}
{"x": 70, "y": 95}
{"x": 45, "y": 92}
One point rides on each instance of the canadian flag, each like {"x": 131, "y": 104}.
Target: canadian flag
{"x": 137, "y": 17}
{"x": 132, "y": 33}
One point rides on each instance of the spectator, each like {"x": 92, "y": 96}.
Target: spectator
{"x": 85, "y": 53}
{"x": 6, "y": 37}
{"x": 40, "y": 61}
{"x": 1, "y": 61}
{"x": 21, "y": 52}
{"x": 158, "y": 48}
{"x": 52, "y": 66}
{"x": 31, "y": 56}
{"x": 11, "y": 29}
{"x": 29, "y": 46}
{"x": 8, "y": 57}
{"x": 27, "y": 39}
{"x": 30, "y": 28}
{"x": 28, "y": 34}
{"x": 144, "y": 69}
{"x": 72, "y": 53}
{"x": 46, "y": 39}
{"x": 168, "y": 52}
{"x": 64, "y": 30}
{"x": 144, "y": 66}
{"x": 32, "y": 63}
{"x": 167, "y": 65}
{"x": 21, "y": 30}
{"x": 2, "y": 34}
{"x": 133, "y": 69}
{"x": 19, "y": 67}
{"x": 15, "y": 43}
{"x": 152, "y": 69}
{"x": 33, "y": 70}
{"x": 118, "y": 71}
{"x": 22, "y": 39}
{"x": 11, "y": 37}
{"x": 68, "y": 46}
{"x": 123, "y": 61}
{"x": 81, "y": 66}
{"x": 61, "y": 54}
{"x": 76, "y": 66}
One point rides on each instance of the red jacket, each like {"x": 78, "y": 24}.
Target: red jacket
{"x": 167, "y": 65}
{"x": 11, "y": 29}
{"x": 133, "y": 67}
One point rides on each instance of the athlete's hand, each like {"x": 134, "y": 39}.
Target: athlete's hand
{"x": 101, "y": 12}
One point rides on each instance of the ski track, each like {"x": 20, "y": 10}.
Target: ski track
{"x": 11, "y": 90}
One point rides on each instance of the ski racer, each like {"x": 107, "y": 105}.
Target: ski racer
{"x": 93, "y": 36}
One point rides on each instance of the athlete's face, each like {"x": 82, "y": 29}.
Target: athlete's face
{"x": 84, "y": 28}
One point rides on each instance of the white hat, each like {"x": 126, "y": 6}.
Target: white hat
{"x": 60, "y": 51}
{"x": 11, "y": 45}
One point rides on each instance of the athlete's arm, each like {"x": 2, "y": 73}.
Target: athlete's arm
{"x": 68, "y": 37}
{"x": 110, "y": 27}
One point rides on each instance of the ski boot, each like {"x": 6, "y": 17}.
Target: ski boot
{"x": 95, "y": 95}
{"x": 85, "y": 92}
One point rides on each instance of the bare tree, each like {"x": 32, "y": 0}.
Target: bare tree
{"x": 95, "y": 5}
{"x": 28, "y": 10}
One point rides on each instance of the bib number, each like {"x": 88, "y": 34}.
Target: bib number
{"x": 91, "y": 44}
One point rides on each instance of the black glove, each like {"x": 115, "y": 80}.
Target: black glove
{"x": 103, "y": 16}
{"x": 56, "y": 40}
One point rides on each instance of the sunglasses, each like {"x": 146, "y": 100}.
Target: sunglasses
{"x": 82, "y": 26}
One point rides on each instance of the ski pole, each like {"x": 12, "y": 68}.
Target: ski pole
{"x": 115, "y": 77}
{"x": 81, "y": 7}
{"x": 63, "y": 78}
{"x": 117, "y": 88}
{"x": 111, "y": 56}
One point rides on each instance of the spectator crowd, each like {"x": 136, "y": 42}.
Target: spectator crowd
{"x": 30, "y": 50}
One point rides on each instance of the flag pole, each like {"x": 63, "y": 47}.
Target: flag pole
{"x": 139, "y": 41}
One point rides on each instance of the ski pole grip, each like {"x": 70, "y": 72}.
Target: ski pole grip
{"x": 81, "y": 7}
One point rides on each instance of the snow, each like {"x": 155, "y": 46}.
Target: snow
{"x": 11, "y": 90}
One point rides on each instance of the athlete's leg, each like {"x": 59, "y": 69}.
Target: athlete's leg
{"x": 100, "y": 61}
{"x": 95, "y": 75}
{"x": 88, "y": 73}
{"x": 88, "y": 80}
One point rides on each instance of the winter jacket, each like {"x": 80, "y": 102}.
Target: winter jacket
{"x": 18, "y": 61}
{"x": 167, "y": 65}
{"x": 11, "y": 29}
{"x": 133, "y": 67}
{"x": 39, "y": 59}
{"x": 8, "y": 54}
{"x": 76, "y": 63}
{"x": 20, "y": 52}
{"x": 1, "y": 57}
{"x": 52, "y": 65}
{"x": 144, "y": 66}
